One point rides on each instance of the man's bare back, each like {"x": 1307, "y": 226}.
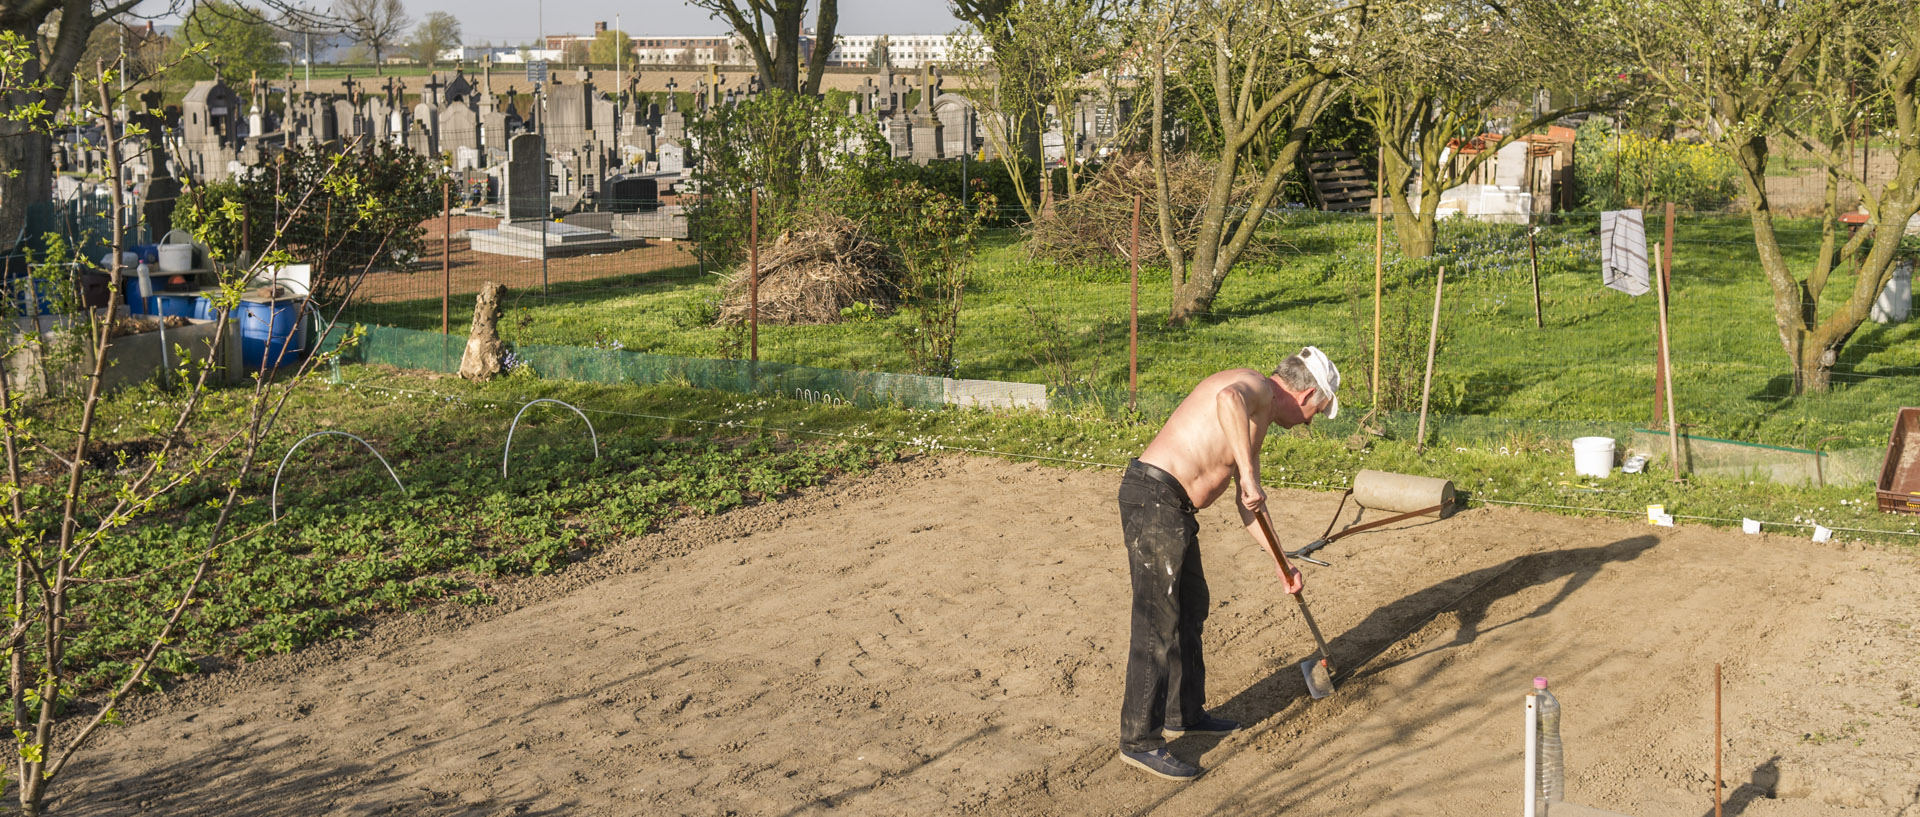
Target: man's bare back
{"x": 1199, "y": 445}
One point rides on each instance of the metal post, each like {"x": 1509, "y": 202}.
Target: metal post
{"x": 753, "y": 276}
{"x": 446, "y": 254}
{"x": 1533, "y": 260}
{"x": 1133, "y": 316}
{"x": 546, "y": 172}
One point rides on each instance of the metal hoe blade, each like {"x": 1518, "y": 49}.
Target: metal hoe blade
{"x": 1319, "y": 682}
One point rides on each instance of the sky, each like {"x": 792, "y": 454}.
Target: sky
{"x": 519, "y": 21}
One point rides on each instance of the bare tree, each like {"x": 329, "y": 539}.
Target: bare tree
{"x": 1435, "y": 73}
{"x": 1810, "y": 75}
{"x": 771, "y": 29}
{"x": 376, "y": 24}
{"x": 1266, "y": 69}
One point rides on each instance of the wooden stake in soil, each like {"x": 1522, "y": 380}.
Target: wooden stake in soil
{"x": 1533, "y": 260}
{"x": 1379, "y": 239}
{"x": 1717, "y": 787}
{"x": 1133, "y": 314}
{"x": 1664, "y": 272}
{"x": 1666, "y": 366}
{"x": 1433, "y": 345}
{"x": 753, "y": 277}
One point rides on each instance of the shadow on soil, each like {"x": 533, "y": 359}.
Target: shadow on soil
{"x": 1268, "y": 705}
{"x": 1760, "y": 787}
{"x": 270, "y": 775}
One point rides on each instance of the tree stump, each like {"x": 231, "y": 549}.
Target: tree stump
{"x": 485, "y": 356}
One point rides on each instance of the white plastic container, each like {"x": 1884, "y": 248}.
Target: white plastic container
{"x": 1593, "y": 456}
{"x": 176, "y": 257}
{"x": 176, "y": 251}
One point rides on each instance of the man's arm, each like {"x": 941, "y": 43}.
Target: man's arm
{"x": 1233, "y": 408}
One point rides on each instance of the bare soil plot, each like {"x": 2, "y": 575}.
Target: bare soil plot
{"x": 947, "y": 637}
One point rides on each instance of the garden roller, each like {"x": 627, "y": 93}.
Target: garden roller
{"x": 1404, "y": 495}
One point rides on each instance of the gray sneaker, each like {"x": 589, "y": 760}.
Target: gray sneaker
{"x": 1161, "y": 763}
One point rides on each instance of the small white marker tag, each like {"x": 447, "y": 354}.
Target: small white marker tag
{"x": 1664, "y": 520}
{"x": 1750, "y": 525}
{"x": 1821, "y": 533}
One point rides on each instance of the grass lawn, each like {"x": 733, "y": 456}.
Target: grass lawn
{"x": 1593, "y": 361}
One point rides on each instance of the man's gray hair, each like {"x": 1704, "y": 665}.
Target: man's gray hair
{"x": 1293, "y": 372}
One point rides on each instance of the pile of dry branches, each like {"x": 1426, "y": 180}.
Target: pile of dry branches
{"x": 808, "y": 275}
{"x": 1097, "y": 225}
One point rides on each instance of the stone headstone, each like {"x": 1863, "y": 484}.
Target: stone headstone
{"x": 526, "y": 178}
{"x": 672, "y": 157}
{"x": 957, "y": 124}
{"x": 926, "y": 138}
{"x": 569, "y": 116}
{"x": 459, "y": 128}
{"x": 494, "y": 128}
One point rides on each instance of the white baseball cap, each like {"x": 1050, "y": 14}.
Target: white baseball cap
{"x": 1325, "y": 374}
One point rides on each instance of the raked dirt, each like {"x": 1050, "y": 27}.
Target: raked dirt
{"x": 947, "y": 636}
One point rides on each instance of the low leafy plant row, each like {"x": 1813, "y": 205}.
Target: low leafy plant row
{"x": 350, "y": 544}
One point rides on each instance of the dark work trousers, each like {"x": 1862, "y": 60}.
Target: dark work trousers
{"x": 1166, "y": 677}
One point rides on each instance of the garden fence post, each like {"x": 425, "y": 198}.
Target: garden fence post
{"x": 1533, "y": 261}
{"x": 1433, "y": 343}
{"x": 1379, "y": 241}
{"x": 1665, "y": 268}
{"x": 1666, "y": 366}
{"x": 1133, "y": 314}
{"x": 753, "y": 276}
{"x": 446, "y": 255}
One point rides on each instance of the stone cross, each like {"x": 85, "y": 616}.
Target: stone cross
{"x": 433, "y": 89}
{"x": 928, "y": 88}
{"x": 349, "y": 85}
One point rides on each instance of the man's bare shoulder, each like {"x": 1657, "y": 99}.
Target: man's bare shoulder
{"x": 1235, "y": 378}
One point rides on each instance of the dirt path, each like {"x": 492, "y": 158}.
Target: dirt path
{"x": 947, "y": 637}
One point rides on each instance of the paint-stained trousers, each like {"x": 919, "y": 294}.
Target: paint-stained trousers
{"x": 1166, "y": 677}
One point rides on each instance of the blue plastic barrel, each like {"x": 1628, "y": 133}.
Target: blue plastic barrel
{"x": 204, "y": 310}
{"x": 181, "y": 306}
{"x": 271, "y": 333}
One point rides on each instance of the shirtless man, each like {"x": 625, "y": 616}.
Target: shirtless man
{"x": 1214, "y": 436}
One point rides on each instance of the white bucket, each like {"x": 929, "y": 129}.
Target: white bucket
{"x": 1593, "y": 456}
{"x": 176, "y": 257}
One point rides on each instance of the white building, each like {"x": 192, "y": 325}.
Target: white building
{"x": 907, "y": 51}
{"x": 499, "y": 54}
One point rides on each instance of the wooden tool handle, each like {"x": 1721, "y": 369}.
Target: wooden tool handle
{"x": 1273, "y": 544}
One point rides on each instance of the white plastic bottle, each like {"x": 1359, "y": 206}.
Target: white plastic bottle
{"x": 1550, "y": 783}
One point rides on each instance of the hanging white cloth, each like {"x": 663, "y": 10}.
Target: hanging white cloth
{"x": 1623, "y": 251}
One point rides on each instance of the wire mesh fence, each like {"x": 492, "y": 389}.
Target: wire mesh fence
{"x": 1576, "y": 359}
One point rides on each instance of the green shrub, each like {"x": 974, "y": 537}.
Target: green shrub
{"x": 1622, "y": 169}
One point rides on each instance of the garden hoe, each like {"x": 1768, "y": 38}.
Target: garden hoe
{"x": 1317, "y": 670}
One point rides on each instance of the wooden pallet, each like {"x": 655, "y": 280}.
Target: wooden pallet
{"x": 1341, "y": 181}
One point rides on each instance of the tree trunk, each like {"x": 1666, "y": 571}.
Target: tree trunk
{"x": 485, "y": 353}
{"x": 26, "y": 166}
